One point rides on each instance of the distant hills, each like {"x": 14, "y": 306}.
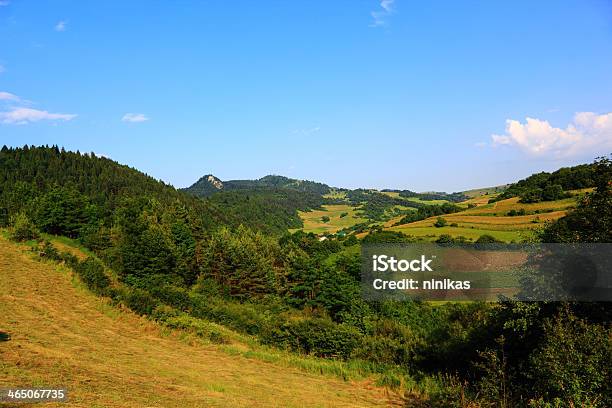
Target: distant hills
{"x": 209, "y": 184}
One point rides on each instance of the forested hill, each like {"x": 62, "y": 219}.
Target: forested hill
{"x": 545, "y": 186}
{"x": 209, "y": 184}
{"x": 81, "y": 194}
{"x": 31, "y": 173}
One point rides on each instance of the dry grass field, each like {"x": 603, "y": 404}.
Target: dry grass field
{"x": 61, "y": 335}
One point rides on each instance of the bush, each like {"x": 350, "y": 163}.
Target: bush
{"x": 391, "y": 343}
{"x": 91, "y": 271}
{"x": 200, "y": 327}
{"x": 23, "y": 229}
{"x": 173, "y": 296}
{"x": 440, "y": 222}
{"x": 486, "y": 239}
{"x": 317, "y": 336}
{"x": 49, "y": 251}
{"x": 445, "y": 239}
{"x": 140, "y": 301}
{"x": 69, "y": 259}
{"x": 242, "y": 317}
{"x": 573, "y": 363}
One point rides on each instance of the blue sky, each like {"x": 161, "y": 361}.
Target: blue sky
{"x": 363, "y": 93}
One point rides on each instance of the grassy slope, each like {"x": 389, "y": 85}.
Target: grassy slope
{"x": 491, "y": 219}
{"x": 61, "y": 335}
{"x": 313, "y": 223}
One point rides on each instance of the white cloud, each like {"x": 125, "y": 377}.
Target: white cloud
{"x": 380, "y": 16}
{"x": 4, "y": 3}
{"x": 60, "y": 26}
{"x": 587, "y": 133}
{"x": 387, "y": 5}
{"x": 7, "y": 96}
{"x": 306, "y": 132}
{"x": 22, "y": 116}
{"x": 134, "y": 117}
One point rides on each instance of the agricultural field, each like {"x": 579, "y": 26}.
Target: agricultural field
{"x": 108, "y": 357}
{"x": 478, "y": 200}
{"x": 491, "y": 219}
{"x": 313, "y": 219}
{"x": 431, "y": 233}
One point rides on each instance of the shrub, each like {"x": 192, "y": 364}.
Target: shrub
{"x": 200, "y": 327}
{"x": 325, "y": 218}
{"x": 91, "y": 271}
{"x": 573, "y": 363}
{"x": 440, "y": 222}
{"x": 23, "y": 229}
{"x": 445, "y": 239}
{"x": 317, "y": 336}
{"x": 173, "y": 296}
{"x": 140, "y": 301}
{"x": 486, "y": 239}
{"x": 69, "y": 259}
{"x": 243, "y": 317}
{"x": 49, "y": 251}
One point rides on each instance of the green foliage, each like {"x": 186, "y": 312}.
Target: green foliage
{"x": 429, "y": 211}
{"x": 325, "y": 218}
{"x": 391, "y": 343}
{"x": 514, "y": 213}
{"x": 350, "y": 241}
{"x": 63, "y": 211}
{"x": 440, "y": 222}
{"x": 379, "y": 237}
{"x": 551, "y": 186}
{"x": 269, "y": 210}
{"x": 591, "y": 221}
{"x": 183, "y": 321}
{"x": 572, "y": 363}
{"x": 317, "y": 336}
{"x": 245, "y": 317}
{"x": 23, "y": 229}
{"x": 244, "y": 263}
{"x": 209, "y": 185}
{"x": 486, "y": 239}
{"x": 449, "y": 239}
{"x": 31, "y": 172}
{"x": 49, "y": 251}
{"x": 140, "y": 301}
{"x": 454, "y": 197}
{"x": 91, "y": 272}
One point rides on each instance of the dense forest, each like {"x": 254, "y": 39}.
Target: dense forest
{"x": 229, "y": 259}
{"x": 209, "y": 185}
{"x": 551, "y": 186}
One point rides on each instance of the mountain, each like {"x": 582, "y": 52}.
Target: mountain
{"x": 205, "y": 186}
{"x": 209, "y": 184}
